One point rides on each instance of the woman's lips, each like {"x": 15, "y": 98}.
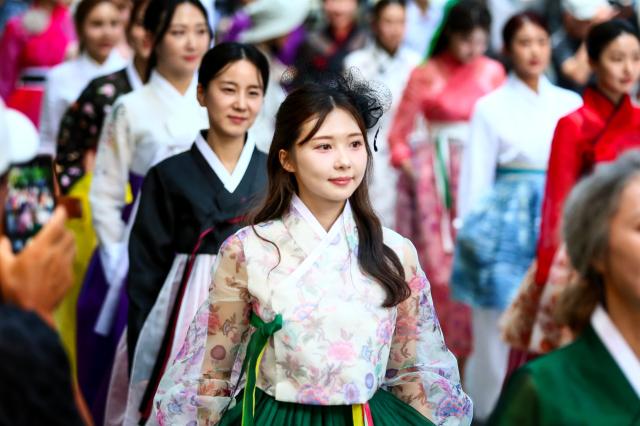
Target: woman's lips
{"x": 342, "y": 181}
{"x": 237, "y": 120}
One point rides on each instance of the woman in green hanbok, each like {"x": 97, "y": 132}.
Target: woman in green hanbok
{"x": 596, "y": 379}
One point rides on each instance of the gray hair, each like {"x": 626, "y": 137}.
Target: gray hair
{"x": 587, "y": 213}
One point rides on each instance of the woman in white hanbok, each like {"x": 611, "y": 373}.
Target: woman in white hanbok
{"x": 500, "y": 197}
{"x": 385, "y": 60}
{"x": 145, "y": 126}
{"x": 99, "y": 30}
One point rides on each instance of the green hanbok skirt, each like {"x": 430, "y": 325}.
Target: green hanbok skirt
{"x": 257, "y": 408}
{"x": 386, "y": 410}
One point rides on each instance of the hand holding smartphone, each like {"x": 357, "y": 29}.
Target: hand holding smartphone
{"x": 31, "y": 200}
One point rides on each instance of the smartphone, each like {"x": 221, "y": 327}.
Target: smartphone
{"x": 30, "y": 200}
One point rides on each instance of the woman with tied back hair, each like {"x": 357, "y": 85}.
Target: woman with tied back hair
{"x": 319, "y": 304}
{"x": 160, "y": 119}
{"x": 97, "y": 23}
{"x": 442, "y": 91}
{"x": 76, "y": 148}
{"x": 596, "y": 379}
{"x": 189, "y": 204}
{"x": 500, "y": 197}
{"x": 606, "y": 125}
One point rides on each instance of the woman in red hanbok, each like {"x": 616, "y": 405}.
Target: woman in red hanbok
{"x": 31, "y": 44}
{"x": 604, "y": 127}
{"x": 443, "y": 91}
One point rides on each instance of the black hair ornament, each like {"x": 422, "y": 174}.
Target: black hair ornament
{"x": 371, "y": 98}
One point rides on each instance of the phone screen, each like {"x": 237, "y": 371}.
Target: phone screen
{"x": 30, "y": 200}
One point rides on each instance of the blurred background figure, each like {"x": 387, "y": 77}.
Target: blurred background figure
{"x": 342, "y": 33}
{"x": 595, "y": 379}
{"x": 31, "y": 44}
{"x": 570, "y": 58}
{"x": 444, "y": 91}
{"x": 145, "y": 126}
{"x": 423, "y": 18}
{"x": 99, "y": 30}
{"x": 385, "y": 60}
{"x": 502, "y": 10}
{"x": 275, "y": 34}
{"x": 607, "y": 125}
{"x": 501, "y": 188}
{"x": 37, "y": 385}
{"x": 75, "y": 158}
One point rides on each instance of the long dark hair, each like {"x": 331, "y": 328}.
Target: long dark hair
{"x": 462, "y": 18}
{"x": 157, "y": 20}
{"x": 315, "y": 100}
{"x": 223, "y": 54}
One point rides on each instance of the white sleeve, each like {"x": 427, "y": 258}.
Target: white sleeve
{"x": 51, "y": 112}
{"x": 479, "y": 162}
{"x": 111, "y": 175}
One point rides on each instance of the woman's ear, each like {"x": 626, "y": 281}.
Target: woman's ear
{"x": 200, "y": 95}
{"x": 285, "y": 161}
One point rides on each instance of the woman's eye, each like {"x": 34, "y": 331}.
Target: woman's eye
{"x": 227, "y": 90}
{"x": 356, "y": 144}
{"x": 324, "y": 147}
{"x": 177, "y": 33}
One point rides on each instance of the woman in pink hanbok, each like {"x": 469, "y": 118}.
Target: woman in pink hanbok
{"x": 441, "y": 93}
{"x": 31, "y": 44}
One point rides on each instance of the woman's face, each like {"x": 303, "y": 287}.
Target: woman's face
{"x": 102, "y": 31}
{"x": 530, "y": 50}
{"x": 340, "y": 13}
{"x": 184, "y": 43}
{"x": 618, "y": 68}
{"x": 233, "y": 99}
{"x": 330, "y": 166}
{"x": 467, "y": 47}
{"x": 138, "y": 37}
{"x": 621, "y": 269}
{"x": 390, "y": 27}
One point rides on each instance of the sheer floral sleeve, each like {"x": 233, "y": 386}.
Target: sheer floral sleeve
{"x": 199, "y": 385}
{"x": 421, "y": 370}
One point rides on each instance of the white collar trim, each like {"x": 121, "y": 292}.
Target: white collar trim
{"x": 617, "y": 347}
{"x": 229, "y": 180}
{"x": 310, "y": 218}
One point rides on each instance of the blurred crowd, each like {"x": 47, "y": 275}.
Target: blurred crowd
{"x": 505, "y": 154}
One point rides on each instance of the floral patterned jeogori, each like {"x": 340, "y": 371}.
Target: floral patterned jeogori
{"x": 337, "y": 346}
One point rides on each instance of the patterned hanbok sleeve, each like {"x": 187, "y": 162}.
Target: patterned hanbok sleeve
{"x": 111, "y": 175}
{"x": 421, "y": 370}
{"x": 199, "y": 385}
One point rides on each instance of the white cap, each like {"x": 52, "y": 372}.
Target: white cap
{"x": 584, "y": 10}
{"x": 18, "y": 138}
{"x": 274, "y": 18}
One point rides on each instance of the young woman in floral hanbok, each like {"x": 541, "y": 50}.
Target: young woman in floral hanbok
{"x": 443, "y": 92}
{"x": 606, "y": 125}
{"x": 500, "y": 197}
{"x": 328, "y": 313}
{"x": 159, "y": 120}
